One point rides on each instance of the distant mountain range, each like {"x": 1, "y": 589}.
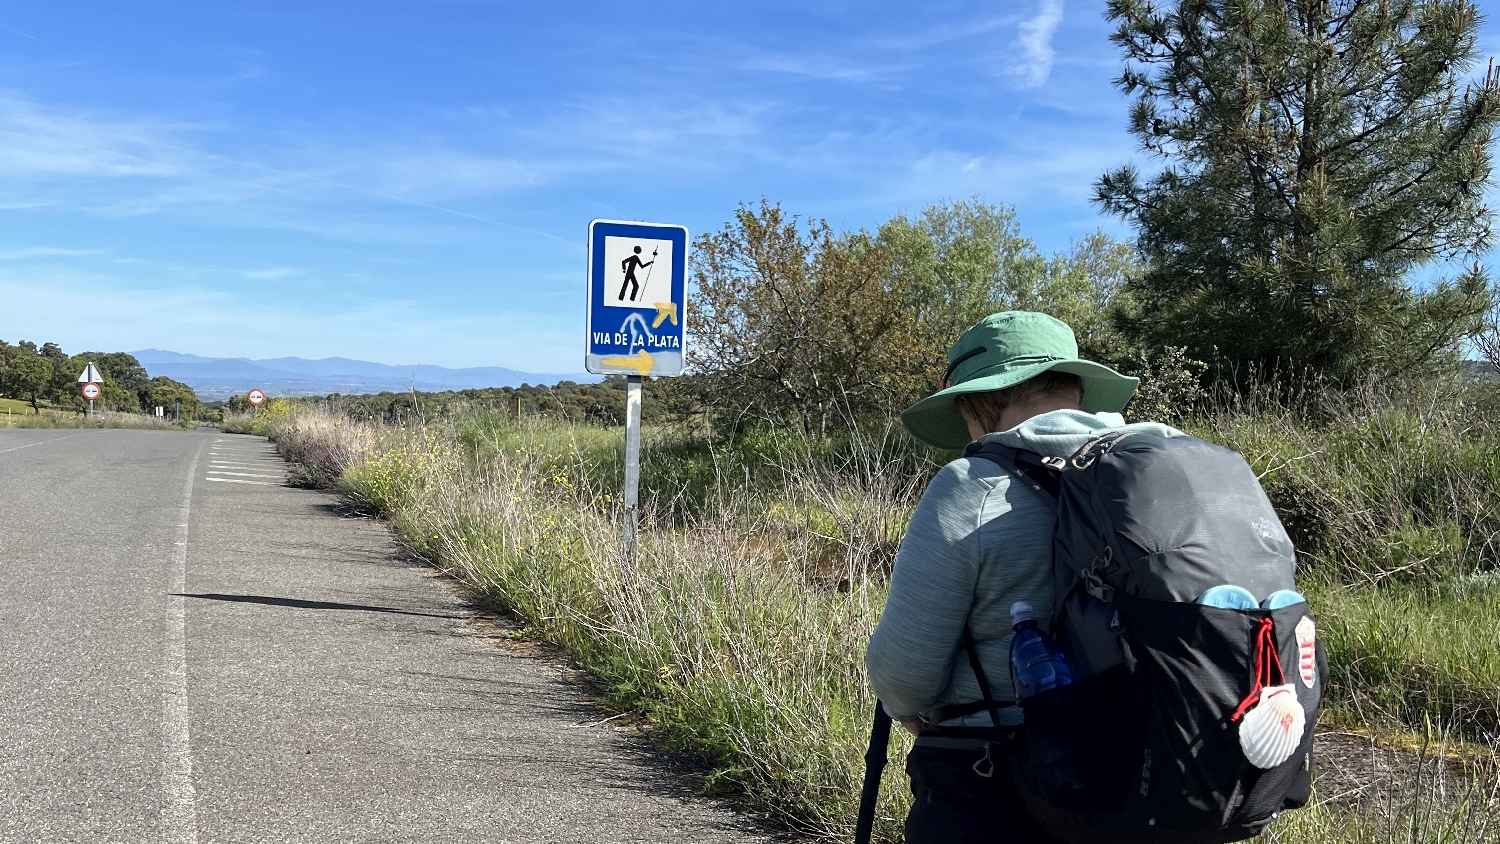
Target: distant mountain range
{"x": 220, "y": 378}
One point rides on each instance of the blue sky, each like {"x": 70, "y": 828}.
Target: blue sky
{"x": 411, "y": 182}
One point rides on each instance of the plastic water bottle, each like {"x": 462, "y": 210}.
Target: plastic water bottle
{"x": 1035, "y": 662}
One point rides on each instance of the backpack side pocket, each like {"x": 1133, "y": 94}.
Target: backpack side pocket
{"x": 1082, "y": 742}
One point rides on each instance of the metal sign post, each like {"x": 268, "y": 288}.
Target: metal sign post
{"x": 637, "y": 316}
{"x": 256, "y": 397}
{"x": 632, "y": 463}
{"x": 90, "y": 391}
{"x": 90, "y": 377}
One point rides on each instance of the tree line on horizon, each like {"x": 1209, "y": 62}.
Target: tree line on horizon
{"x": 46, "y": 373}
{"x": 601, "y": 403}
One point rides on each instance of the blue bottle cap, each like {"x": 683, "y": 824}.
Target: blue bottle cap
{"x": 1021, "y": 611}
{"x": 1282, "y": 598}
{"x": 1229, "y": 597}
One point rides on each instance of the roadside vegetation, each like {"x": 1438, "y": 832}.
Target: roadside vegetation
{"x": 738, "y": 634}
{"x": 19, "y": 415}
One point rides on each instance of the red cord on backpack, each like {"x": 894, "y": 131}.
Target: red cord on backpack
{"x": 1267, "y": 667}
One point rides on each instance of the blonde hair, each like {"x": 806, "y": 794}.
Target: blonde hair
{"x": 987, "y": 408}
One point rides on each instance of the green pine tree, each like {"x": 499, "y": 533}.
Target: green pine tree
{"x": 1324, "y": 159}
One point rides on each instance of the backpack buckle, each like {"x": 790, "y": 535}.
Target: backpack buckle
{"x": 1096, "y": 587}
{"x": 1094, "y": 448}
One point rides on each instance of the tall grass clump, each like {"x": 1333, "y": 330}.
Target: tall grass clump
{"x": 269, "y": 420}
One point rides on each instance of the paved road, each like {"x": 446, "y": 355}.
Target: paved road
{"x": 193, "y": 652}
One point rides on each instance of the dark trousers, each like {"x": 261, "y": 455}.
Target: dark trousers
{"x": 953, "y": 804}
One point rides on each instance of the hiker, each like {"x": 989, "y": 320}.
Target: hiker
{"x": 981, "y": 539}
{"x": 630, "y": 265}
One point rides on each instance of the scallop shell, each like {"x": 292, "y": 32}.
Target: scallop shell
{"x": 1272, "y": 729}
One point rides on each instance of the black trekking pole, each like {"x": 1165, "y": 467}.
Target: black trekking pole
{"x": 875, "y": 759}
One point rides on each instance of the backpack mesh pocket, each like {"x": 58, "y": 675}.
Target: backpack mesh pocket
{"x": 1078, "y": 754}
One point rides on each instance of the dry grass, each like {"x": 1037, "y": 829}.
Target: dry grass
{"x": 1437, "y": 792}
{"x": 48, "y": 418}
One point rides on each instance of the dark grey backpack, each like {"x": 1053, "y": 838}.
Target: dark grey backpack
{"x": 1143, "y": 745}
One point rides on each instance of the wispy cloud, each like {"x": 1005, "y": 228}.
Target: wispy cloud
{"x": 435, "y": 173}
{"x": 273, "y": 273}
{"x": 943, "y": 34}
{"x": 646, "y": 133}
{"x": 822, "y": 67}
{"x": 1041, "y": 175}
{"x": 214, "y": 322}
{"x": 879, "y": 59}
{"x": 131, "y": 165}
{"x": 30, "y": 252}
{"x": 41, "y": 143}
{"x": 1034, "y": 44}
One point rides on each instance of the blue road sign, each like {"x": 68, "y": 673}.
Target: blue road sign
{"x": 637, "y": 298}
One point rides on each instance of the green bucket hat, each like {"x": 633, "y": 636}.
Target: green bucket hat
{"x": 1003, "y": 350}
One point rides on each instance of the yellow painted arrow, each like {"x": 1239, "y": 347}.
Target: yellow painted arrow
{"x": 664, "y": 312}
{"x": 641, "y": 362}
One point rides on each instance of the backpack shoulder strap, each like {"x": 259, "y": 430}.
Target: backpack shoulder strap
{"x": 1044, "y": 472}
{"x": 984, "y": 682}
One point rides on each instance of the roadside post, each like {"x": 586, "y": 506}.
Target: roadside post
{"x": 256, "y": 397}
{"x": 176, "y": 411}
{"x": 89, "y": 380}
{"x": 637, "y": 313}
{"x": 90, "y": 391}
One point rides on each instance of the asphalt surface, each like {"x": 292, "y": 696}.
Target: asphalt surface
{"x": 194, "y": 652}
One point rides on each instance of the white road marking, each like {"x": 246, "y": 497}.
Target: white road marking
{"x": 237, "y": 481}
{"x": 239, "y": 474}
{"x": 245, "y": 465}
{"x": 179, "y": 812}
{"x": 39, "y": 442}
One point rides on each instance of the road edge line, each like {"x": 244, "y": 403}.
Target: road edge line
{"x": 179, "y": 812}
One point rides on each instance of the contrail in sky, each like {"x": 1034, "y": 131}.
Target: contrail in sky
{"x": 347, "y": 186}
{"x": 24, "y": 34}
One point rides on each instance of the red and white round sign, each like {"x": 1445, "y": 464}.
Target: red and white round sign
{"x": 90, "y": 391}
{"x": 256, "y": 397}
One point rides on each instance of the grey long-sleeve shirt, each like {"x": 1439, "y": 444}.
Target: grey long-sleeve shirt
{"x": 976, "y": 544}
